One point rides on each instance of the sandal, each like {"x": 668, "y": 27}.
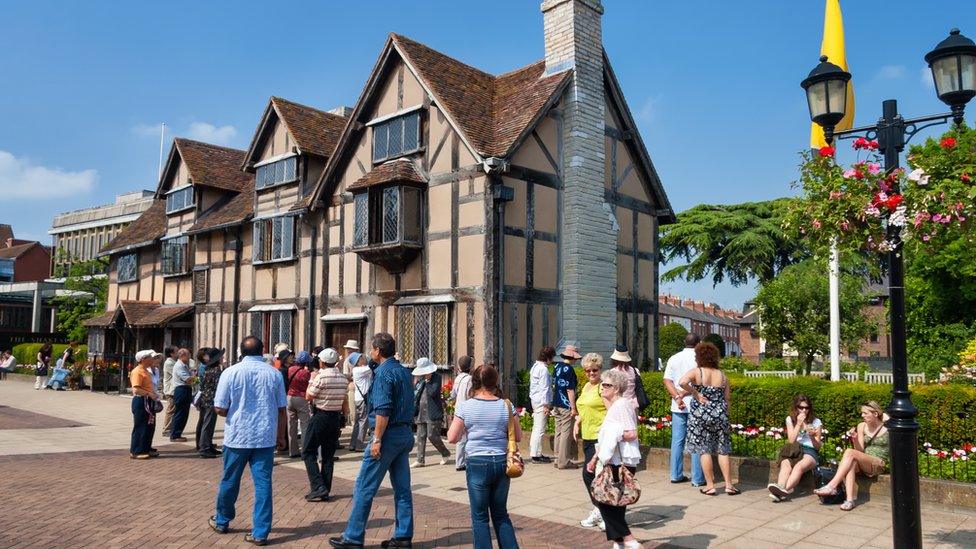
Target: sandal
{"x": 824, "y": 491}
{"x": 709, "y": 492}
{"x": 733, "y": 492}
{"x": 847, "y": 505}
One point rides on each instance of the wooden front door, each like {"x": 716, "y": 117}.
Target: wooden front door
{"x": 338, "y": 333}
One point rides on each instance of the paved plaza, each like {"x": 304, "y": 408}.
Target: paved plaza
{"x": 67, "y": 482}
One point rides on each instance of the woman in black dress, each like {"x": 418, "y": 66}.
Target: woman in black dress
{"x": 43, "y": 363}
{"x": 709, "y": 431}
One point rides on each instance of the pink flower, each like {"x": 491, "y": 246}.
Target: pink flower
{"x": 836, "y": 194}
{"x": 874, "y": 168}
{"x": 816, "y": 223}
{"x": 849, "y": 173}
{"x": 844, "y": 225}
{"x": 937, "y": 218}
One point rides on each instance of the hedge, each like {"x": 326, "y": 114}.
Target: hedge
{"x": 946, "y": 413}
{"x": 26, "y": 353}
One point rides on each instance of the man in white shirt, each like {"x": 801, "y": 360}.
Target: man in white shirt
{"x": 459, "y": 394}
{"x": 540, "y": 394}
{"x": 362, "y": 379}
{"x": 170, "y": 353}
{"x": 182, "y": 383}
{"x": 679, "y": 364}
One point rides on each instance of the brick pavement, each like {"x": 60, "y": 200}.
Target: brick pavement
{"x": 15, "y": 418}
{"x": 103, "y": 498}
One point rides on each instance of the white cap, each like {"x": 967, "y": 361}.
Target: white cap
{"x": 146, "y": 353}
{"x": 329, "y": 356}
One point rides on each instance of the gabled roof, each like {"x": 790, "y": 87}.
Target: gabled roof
{"x": 401, "y": 169}
{"x": 228, "y": 212}
{"x": 208, "y": 165}
{"x": 101, "y": 321}
{"x": 145, "y": 230}
{"x": 135, "y": 311}
{"x": 158, "y": 315}
{"x": 492, "y": 114}
{"x": 314, "y": 131}
{"x": 13, "y": 252}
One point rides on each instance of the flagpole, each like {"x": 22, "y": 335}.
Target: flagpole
{"x": 162, "y": 137}
{"x": 834, "y": 312}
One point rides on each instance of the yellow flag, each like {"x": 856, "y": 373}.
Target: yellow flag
{"x": 833, "y": 47}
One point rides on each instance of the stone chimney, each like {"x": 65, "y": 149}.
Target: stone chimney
{"x": 588, "y": 245}
{"x": 341, "y": 110}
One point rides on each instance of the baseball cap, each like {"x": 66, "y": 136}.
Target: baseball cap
{"x": 329, "y": 356}
{"x": 146, "y": 353}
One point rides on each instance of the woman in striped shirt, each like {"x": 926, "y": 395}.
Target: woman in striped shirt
{"x": 484, "y": 418}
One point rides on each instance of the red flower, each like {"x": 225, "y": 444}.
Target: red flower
{"x": 947, "y": 142}
{"x": 827, "y": 151}
{"x": 862, "y": 143}
{"x": 893, "y": 201}
{"x": 965, "y": 178}
{"x": 660, "y": 425}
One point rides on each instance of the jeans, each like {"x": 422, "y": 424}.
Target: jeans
{"x": 298, "y": 415}
{"x": 488, "y": 493}
{"x": 322, "y": 431}
{"x": 360, "y": 429}
{"x": 182, "y": 398}
{"x": 539, "y": 419}
{"x": 394, "y": 457}
{"x": 205, "y": 429}
{"x": 261, "y": 461}
{"x": 143, "y": 426}
{"x": 679, "y": 428}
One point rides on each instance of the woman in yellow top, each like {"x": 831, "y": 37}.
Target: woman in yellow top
{"x": 592, "y": 409}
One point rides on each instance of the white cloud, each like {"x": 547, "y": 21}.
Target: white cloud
{"x": 891, "y": 71}
{"x": 648, "y": 110}
{"x": 201, "y": 131}
{"x": 209, "y": 133}
{"x": 20, "y": 178}
{"x": 926, "y": 77}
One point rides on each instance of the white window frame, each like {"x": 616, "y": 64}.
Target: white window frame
{"x": 184, "y": 190}
{"x": 281, "y": 227}
{"x": 135, "y": 268}
{"x": 266, "y": 174}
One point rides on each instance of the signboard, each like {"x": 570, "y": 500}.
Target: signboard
{"x": 9, "y": 339}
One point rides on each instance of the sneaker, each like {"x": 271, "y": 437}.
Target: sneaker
{"x": 601, "y": 525}
{"x": 139, "y": 456}
{"x": 775, "y": 498}
{"x": 778, "y": 490}
{"x": 416, "y": 464}
{"x": 592, "y": 519}
{"x": 178, "y": 439}
{"x": 443, "y": 461}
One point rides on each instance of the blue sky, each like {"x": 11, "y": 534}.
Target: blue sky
{"x": 714, "y": 85}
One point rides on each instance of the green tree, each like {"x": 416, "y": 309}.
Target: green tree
{"x": 717, "y": 341}
{"x": 671, "y": 339}
{"x": 795, "y": 308}
{"x": 737, "y": 242}
{"x": 87, "y": 298}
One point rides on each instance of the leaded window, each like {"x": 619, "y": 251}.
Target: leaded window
{"x": 274, "y": 173}
{"x": 361, "y": 225}
{"x": 274, "y": 239}
{"x": 128, "y": 267}
{"x": 175, "y": 256}
{"x": 391, "y": 213}
{"x": 396, "y": 137}
{"x": 424, "y": 331}
{"x": 272, "y": 327}
{"x": 179, "y": 199}
{"x": 387, "y": 215}
{"x": 200, "y": 285}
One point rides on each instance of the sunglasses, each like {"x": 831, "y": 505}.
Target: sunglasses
{"x": 608, "y": 386}
{"x": 591, "y": 370}
{"x": 803, "y": 407}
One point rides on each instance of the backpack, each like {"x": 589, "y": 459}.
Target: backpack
{"x": 821, "y": 476}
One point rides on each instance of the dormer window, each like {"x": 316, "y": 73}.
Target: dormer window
{"x": 179, "y": 199}
{"x": 396, "y": 136}
{"x": 276, "y": 172}
{"x": 388, "y": 215}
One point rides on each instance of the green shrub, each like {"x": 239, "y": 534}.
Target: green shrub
{"x": 671, "y": 338}
{"x": 776, "y": 364}
{"x": 736, "y": 364}
{"x": 717, "y": 341}
{"x": 26, "y": 353}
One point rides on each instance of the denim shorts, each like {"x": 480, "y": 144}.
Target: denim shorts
{"x": 812, "y": 452}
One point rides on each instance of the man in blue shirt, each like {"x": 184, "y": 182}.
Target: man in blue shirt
{"x": 250, "y": 395}
{"x": 390, "y": 414}
{"x": 564, "y": 406}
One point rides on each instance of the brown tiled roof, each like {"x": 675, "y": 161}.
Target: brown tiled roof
{"x": 144, "y": 230}
{"x": 400, "y": 169}
{"x": 213, "y": 166}
{"x": 135, "y": 311}
{"x": 159, "y": 315}
{"x": 14, "y": 252}
{"x": 101, "y": 321}
{"x": 237, "y": 209}
{"x": 315, "y": 132}
{"x": 491, "y": 111}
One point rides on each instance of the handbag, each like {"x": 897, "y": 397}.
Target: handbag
{"x": 157, "y": 406}
{"x": 616, "y": 493}
{"x": 639, "y": 392}
{"x": 821, "y": 476}
{"x": 514, "y": 466}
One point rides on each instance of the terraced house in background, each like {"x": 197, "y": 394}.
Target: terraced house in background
{"x": 464, "y": 212}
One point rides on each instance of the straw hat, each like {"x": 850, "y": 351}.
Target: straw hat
{"x": 620, "y": 354}
{"x": 351, "y": 344}
{"x": 570, "y": 351}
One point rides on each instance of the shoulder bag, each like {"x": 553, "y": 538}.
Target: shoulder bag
{"x": 639, "y": 392}
{"x": 514, "y": 466}
{"x": 623, "y": 491}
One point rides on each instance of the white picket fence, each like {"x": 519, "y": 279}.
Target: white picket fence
{"x": 869, "y": 377}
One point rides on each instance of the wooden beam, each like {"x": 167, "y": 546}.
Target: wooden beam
{"x": 535, "y": 176}
{"x": 628, "y": 202}
{"x": 463, "y": 172}
{"x": 519, "y": 294}
{"x": 545, "y": 151}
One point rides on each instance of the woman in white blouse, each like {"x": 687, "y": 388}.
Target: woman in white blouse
{"x": 617, "y": 446}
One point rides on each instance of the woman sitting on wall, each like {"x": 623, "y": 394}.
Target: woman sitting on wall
{"x": 801, "y": 453}
{"x": 869, "y": 456}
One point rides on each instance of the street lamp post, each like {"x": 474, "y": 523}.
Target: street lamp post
{"x": 953, "y": 64}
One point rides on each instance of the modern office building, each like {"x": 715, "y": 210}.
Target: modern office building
{"x": 79, "y": 235}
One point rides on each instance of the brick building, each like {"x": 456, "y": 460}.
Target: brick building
{"x": 702, "y": 319}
